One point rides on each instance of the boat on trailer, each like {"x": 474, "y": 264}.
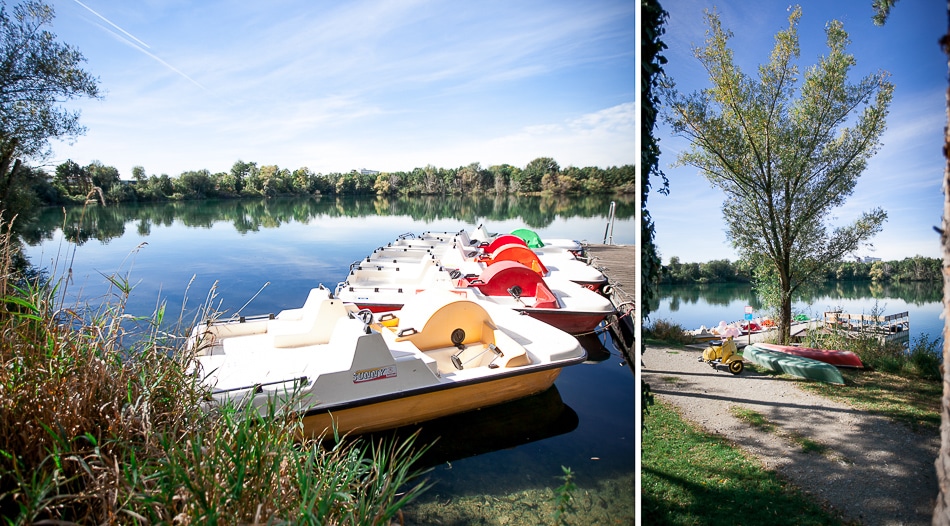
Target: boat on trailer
{"x": 347, "y": 369}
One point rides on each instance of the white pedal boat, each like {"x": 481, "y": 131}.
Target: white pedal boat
{"x": 441, "y": 354}
{"x": 531, "y": 238}
{"x": 455, "y": 250}
{"x": 561, "y": 303}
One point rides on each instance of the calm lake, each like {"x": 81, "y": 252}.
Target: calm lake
{"x": 692, "y": 306}
{"x": 495, "y": 466}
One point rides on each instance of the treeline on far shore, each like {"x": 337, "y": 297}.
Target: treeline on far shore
{"x": 917, "y": 268}
{"x": 71, "y": 182}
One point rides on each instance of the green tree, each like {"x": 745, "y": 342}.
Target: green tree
{"x": 530, "y": 179}
{"x": 430, "y": 179}
{"x": 782, "y": 154}
{"x": 195, "y": 184}
{"x": 38, "y": 75}
{"x": 72, "y": 179}
{"x": 138, "y": 175}
{"x": 383, "y": 186}
{"x": 502, "y": 175}
{"x": 102, "y": 176}
{"x": 880, "y": 271}
{"x": 304, "y": 181}
{"x": 651, "y": 69}
{"x": 158, "y": 188}
{"x": 32, "y": 191}
{"x": 241, "y": 171}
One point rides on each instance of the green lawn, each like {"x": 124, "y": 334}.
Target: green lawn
{"x": 690, "y": 478}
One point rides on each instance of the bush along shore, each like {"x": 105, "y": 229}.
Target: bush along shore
{"x": 103, "y": 424}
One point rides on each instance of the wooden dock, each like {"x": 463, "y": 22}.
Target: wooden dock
{"x": 618, "y": 263}
{"x": 887, "y": 328}
{"x": 867, "y": 323}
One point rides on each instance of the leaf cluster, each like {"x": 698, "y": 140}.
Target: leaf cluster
{"x": 37, "y": 75}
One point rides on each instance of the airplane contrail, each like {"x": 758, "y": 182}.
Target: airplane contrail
{"x": 141, "y": 46}
{"x": 106, "y": 20}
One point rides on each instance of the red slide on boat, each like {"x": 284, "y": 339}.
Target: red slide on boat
{"x": 836, "y": 358}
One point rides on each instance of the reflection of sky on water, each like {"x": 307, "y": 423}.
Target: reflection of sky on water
{"x": 289, "y": 259}
{"x": 601, "y": 447}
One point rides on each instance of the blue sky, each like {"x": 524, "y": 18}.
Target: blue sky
{"x": 904, "y": 177}
{"x": 342, "y": 85}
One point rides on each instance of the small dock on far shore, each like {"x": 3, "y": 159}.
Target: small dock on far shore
{"x": 888, "y": 328}
{"x": 867, "y": 323}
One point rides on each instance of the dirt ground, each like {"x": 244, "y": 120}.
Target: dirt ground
{"x": 874, "y": 470}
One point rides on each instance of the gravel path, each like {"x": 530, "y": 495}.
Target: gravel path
{"x": 874, "y": 471}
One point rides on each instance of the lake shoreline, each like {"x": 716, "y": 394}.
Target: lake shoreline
{"x": 694, "y": 306}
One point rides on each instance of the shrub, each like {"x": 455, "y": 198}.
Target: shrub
{"x": 925, "y": 358}
{"x": 667, "y": 331}
{"x": 921, "y": 360}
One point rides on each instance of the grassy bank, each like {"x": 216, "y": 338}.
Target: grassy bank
{"x": 910, "y": 400}
{"x": 690, "y": 477}
{"x": 102, "y": 423}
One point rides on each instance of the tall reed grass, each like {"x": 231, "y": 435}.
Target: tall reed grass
{"x": 98, "y": 430}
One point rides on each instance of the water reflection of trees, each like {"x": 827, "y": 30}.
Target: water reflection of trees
{"x": 724, "y": 294}
{"x": 712, "y": 294}
{"x": 912, "y": 292}
{"x": 104, "y": 223}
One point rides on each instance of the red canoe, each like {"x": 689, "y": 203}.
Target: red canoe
{"x": 836, "y": 358}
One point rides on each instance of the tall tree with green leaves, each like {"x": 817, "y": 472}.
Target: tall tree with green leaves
{"x": 651, "y": 73}
{"x": 787, "y": 149}
{"x": 651, "y": 66}
{"x": 37, "y": 75}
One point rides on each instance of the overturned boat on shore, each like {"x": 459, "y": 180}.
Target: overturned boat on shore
{"x": 790, "y": 364}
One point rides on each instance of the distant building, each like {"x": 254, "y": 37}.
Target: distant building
{"x": 866, "y": 259}
{"x": 364, "y": 171}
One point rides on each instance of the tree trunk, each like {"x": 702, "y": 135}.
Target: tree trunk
{"x": 785, "y": 319}
{"x": 941, "y": 514}
{"x": 7, "y": 173}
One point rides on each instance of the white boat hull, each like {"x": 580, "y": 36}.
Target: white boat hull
{"x": 441, "y": 354}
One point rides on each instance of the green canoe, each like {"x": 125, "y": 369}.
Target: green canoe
{"x": 793, "y": 365}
